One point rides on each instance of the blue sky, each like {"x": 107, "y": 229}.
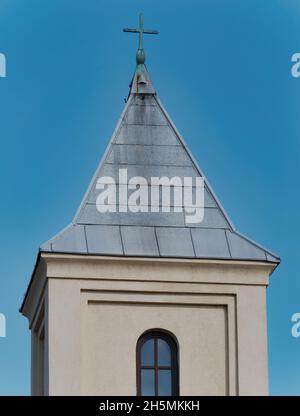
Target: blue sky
{"x": 222, "y": 70}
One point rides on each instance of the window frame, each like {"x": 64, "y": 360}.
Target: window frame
{"x": 173, "y": 367}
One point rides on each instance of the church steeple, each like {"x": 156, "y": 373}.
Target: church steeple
{"x": 147, "y": 144}
{"x": 134, "y": 273}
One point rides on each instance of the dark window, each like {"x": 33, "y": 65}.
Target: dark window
{"x": 157, "y": 365}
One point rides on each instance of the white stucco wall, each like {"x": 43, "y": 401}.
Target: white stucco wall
{"x": 98, "y": 307}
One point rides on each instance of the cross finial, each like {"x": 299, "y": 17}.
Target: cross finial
{"x": 140, "y": 55}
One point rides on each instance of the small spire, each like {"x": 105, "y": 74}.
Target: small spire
{"x": 140, "y": 54}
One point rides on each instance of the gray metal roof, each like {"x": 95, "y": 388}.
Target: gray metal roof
{"x": 147, "y": 144}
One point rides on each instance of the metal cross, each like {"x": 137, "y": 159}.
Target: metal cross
{"x": 140, "y": 31}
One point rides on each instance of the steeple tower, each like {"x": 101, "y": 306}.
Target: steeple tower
{"x": 130, "y": 272}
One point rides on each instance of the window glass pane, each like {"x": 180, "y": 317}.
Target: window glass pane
{"x": 163, "y": 353}
{"x": 164, "y": 383}
{"x": 147, "y": 353}
{"x": 147, "y": 383}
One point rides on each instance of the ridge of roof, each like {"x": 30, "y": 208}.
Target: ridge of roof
{"x": 141, "y": 82}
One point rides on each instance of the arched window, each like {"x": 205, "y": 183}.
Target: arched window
{"x": 157, "y": 365}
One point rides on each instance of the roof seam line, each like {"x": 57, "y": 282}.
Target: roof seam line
{"x": 86, "y": 241}
{"x": 194, "y": 250}
{"x": 156, "y": 239}
{"x": 122, "y": 243}
{"x": 227, "y": 243}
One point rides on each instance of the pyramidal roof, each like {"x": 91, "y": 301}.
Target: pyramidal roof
{"x": 147, "y": 144}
